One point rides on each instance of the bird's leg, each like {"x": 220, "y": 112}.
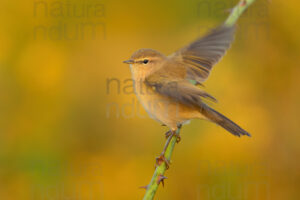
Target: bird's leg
{"x": 178, "y": 139}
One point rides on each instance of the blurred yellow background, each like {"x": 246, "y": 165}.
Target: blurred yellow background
{"x": 71, "y": 127}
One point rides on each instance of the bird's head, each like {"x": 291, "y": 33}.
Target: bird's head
{"x": 145, "y": 60}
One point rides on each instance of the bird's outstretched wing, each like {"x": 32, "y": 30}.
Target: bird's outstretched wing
{"x": 201, "y": 55}
{"x": 193, "y": 62}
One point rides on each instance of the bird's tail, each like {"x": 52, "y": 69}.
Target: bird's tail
{"x": 223, "y": 121}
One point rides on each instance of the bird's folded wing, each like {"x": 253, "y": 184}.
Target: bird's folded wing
{"x": 200, "y": 56}
{"x": 181, "y": 91}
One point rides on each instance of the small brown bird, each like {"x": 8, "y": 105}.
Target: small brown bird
{"x": 167, "y": 85}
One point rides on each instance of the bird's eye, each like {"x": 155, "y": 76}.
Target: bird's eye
{"x": 145, "y": 61}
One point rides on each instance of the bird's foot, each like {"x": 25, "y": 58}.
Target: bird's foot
{"x": 162, "y": 159}
{"x": 170, "y": 133}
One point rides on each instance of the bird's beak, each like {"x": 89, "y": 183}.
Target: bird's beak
{"x": 128, "y": 61}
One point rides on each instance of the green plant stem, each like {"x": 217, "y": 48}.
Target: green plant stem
{"x": 237, "y": 12}
{"x": 161, "y": 169}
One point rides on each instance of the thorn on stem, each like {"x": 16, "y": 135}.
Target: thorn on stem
{"x": 162, "y": 159}
{"x": 229, "y": 10}
{"x": 160, "y": 179}
{"x": 243, "y": 3}
{"x": 144, "y": 187}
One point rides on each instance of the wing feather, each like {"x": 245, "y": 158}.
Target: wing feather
{"x": 181, "y": 91}
{"x": 201, "y": 55}
{"x": 193, "y": 62}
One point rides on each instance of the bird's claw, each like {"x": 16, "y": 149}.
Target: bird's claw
{"x": 178, "y": 139}
{"x": 169, "y": 133}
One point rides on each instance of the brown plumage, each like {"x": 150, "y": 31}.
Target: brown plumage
{"x": 163, "y": 84}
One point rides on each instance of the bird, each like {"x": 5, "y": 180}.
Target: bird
{"x": 169, "y": 87}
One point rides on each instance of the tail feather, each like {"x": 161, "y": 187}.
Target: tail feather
{"x": 223, "y": 121}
